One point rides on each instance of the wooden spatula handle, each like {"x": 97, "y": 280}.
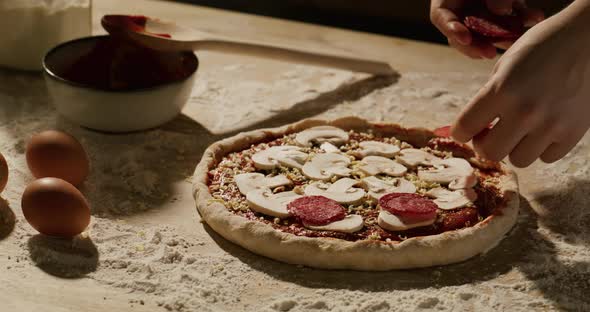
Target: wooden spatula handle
{"x": 295, "y": 56}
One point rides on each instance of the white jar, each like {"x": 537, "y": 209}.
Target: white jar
{"x": 29, "y": 28}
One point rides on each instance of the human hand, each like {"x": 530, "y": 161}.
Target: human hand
{"x": 446, "y": 15}
{"x": 539, "y": 93}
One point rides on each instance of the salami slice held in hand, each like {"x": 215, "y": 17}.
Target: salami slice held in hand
{"x": 316, "y": 210}
{"x": 495, "y": 27}
{"x": 410, "y": 207}
{"x": 499, "y": 28}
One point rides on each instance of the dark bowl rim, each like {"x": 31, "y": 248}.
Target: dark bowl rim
{"x": 57, "y": 77}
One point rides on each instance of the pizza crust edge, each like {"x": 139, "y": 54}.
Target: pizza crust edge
{"x": 331, "y": 253}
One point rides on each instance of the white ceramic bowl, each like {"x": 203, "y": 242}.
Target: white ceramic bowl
{"x": 107, "y": 110}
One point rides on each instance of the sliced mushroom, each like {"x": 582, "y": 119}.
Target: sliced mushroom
{"x": 251, "y": 181}
{"x": 287, "y": 155}
{"x": 373, "y": 165}
{"x": 391, "y": 222}
{"x": 325, "y": 166}
{"x": 265, "y": 202}
{"x": 342, "y": 191}
{"x": 376, "y": 148}
{"x": 350, "y": 224}
{"x": 377, "y": 187}
{"x": 456, "y": 172}
{"x": 320, "y": 135}
{"x": 329, "y": 148}
{"x": 413, "y": 157}
{"x": 463, "y": 182}
{"x": 447, "y": 200}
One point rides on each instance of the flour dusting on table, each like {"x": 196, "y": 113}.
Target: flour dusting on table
{"x": 141, "y": 181}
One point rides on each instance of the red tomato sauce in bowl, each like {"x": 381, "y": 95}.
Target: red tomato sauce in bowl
{"x": 113, "y": 63}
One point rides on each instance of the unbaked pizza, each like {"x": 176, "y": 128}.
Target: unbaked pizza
{"x": 349, "y": 194}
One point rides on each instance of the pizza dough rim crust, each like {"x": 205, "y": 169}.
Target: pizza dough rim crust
{"x": 331, "y": 253}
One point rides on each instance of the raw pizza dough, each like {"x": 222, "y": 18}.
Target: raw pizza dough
{"x": 333, "y": 253}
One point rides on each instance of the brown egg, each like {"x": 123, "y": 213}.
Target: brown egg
{"x": 55, "y": 207}
{"x": 57, "y": 154}
{"x": 3, "y": 172}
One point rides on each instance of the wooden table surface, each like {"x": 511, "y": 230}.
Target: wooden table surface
{"x": 540, "y": 266}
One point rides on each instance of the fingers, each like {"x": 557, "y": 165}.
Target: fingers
{"x": 476, "y": 50}
{"x": 478, "y": 114}
{"x": 470, "y": 51}
{"x": 485, "y": 48}
{"x": 539, "y": 145}
{"x": 448, "y": 23}
{"x": 556, "y": 151}
{"x": 500, "y": 7}
{"x": 499, "y": 141}
{"x": 458, "y": 35}
{"x": 524, "y": 147}
{"x": 529, "y": 149}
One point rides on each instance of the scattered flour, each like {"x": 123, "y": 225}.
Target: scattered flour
{"x": 543, "y": 265}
